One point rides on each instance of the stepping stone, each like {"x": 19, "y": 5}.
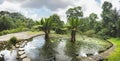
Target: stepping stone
{"x": 26, "y": 59}
{"x": 23, "y": 44}
{"x": 17, "y": 46}
{"x": 21, "y": 52}
{"x": 21, "y": 49}
{"x": 26, "y": 41}
{"x": 23, "y": 56}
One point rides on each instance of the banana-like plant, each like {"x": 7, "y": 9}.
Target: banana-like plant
{"x": 46, "y": 27}
{"x": 73, "y": 24}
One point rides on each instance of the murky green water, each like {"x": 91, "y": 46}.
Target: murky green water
{"x": 64, "y": 50}
{"x": 58, "y": 49}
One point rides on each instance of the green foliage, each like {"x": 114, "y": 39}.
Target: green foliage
{"x": 46, "y": 24}
{"x": 13, "y": 41}
{"x": 92, "y": 20}
{"x": 103, "y": 33}
{"x": 6, "y": 23}
{"x": 51, "y": 23}
{"x": 88, "y": 23}
{"x": 74, "y": 23}
{"x": 61, "y": 31}
{"x": 56, "y": 22}
{"x": 90, "y": 33}
{"x": 84, "y": 24}
{"x": 106, "y": 6}
{"x": 73, "y": 15}
{"x": 12, "y": 31}
{"x": 14, "y": 20}
{"x": 75, "y": 12}
{"x": 110, "y": 20}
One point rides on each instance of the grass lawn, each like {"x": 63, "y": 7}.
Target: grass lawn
{"x": 115, "y": 55}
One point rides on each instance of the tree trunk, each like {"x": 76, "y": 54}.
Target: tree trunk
{"x": 73, "y": 34}
{"x": 46, "y": 35}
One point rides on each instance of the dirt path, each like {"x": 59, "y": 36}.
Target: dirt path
{"x": 20, "y": 35}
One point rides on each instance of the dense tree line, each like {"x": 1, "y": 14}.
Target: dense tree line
{"x": 108, "y": 26}
{"x": 14, "y": 20}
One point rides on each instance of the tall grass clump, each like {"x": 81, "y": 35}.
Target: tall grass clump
{"x": 13, "y": 41}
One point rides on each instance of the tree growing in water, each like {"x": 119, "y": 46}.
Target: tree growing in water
{"x": 74, "y": 24}
{"x": 73, "y": 16}
{"x": 46, "y": 26}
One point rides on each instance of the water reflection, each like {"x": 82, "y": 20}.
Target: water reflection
{"x": 9, "y": 55}
{"x": 56, "y": 49}
{"x": 61, "y": 56}
{"x": 32, "y": 48}
{"x": 47, "y": 52}
{"x": 71, "y": 50}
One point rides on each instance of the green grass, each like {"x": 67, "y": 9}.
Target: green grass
{"x": 115, "y": 55}
{"x": 4, "y": 32}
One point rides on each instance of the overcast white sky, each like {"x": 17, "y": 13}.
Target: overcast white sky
{"x": 37, "y": 9}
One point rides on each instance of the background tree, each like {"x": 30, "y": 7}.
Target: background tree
{"x": 73, "y": 15}
{"x": 106, "y": 20}
{"x": 14, "y": 20}
{"x": 106, "y": 12}
{"x": 75, "y": 12}
{"x": 114, "y": 16}
{"x": 56, "y": 22}
{"x": 92, "y": 20}
{"x": 6, "y": 23}
{"x": 110, "y": 19}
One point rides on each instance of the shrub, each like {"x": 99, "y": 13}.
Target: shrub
{"x": 61, "y": 31}
{"x": 13, "y": 41}
{"x": 12, "y": 31}
{"x": 103, "y": 33}
{"x": 90, "y": 33}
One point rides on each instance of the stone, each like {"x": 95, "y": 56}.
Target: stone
{"x": 21, "y": 52}
{"x": 21, "y": 49}
{"x": 26, "y": 59}
{"x": 23, "y": 56}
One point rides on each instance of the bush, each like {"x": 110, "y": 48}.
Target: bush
{"x": 61, "y": 31}
{"x": 13, "y": 41}
{"x": 103, "y": 33}
{"x": 90, "y": 33}
{"x": 12, "y": 31}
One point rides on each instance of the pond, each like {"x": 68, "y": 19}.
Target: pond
{"x": 57, "y": 49}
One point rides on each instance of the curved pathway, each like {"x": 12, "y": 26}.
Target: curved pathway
{"x": 20, "y": 35}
